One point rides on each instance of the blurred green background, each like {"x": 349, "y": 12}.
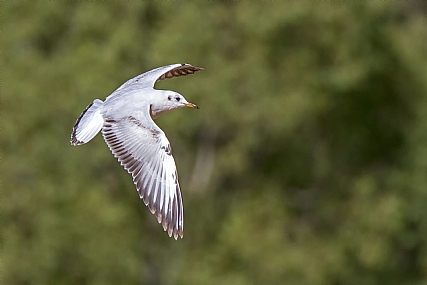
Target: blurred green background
{"x": 306, "y": 164}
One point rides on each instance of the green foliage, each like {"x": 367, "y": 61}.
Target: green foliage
{"x": 307, "y": 163}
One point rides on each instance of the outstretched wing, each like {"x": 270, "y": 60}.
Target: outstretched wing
{"x": 149, "y": 78}
{"x": 144, "y": 151}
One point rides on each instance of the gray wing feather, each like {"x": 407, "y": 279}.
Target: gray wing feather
{"x": 149, "y": 78}
{"x": 144, "y": 151}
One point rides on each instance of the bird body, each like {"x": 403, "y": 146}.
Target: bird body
{"x": 125, "y": 119}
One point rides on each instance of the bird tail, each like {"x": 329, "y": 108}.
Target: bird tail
{"x": 88, "y": 124}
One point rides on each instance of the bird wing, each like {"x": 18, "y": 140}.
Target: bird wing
{"x": 144, "y": 151}
{"x": 149, "y": 78}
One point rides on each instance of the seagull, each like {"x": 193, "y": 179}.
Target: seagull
{"x": 126, "y": 121}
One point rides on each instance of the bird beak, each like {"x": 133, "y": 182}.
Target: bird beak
{"x": 191, "y": 105}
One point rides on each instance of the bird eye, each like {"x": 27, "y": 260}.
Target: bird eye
{"x": 177, "y": 98}
{"x": 169, "y": 98}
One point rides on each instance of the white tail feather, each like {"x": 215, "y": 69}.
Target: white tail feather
{"x": 88, "y": 124}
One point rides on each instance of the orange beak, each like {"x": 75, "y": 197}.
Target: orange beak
{"x": 191, "y": 105}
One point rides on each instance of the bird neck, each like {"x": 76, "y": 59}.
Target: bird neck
{"x": 156, "y": 111}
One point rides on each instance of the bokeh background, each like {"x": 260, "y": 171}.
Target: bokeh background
{"x": 306, "y": 164}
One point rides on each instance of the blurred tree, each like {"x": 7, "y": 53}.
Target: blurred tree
{"x": 306, "y": 164}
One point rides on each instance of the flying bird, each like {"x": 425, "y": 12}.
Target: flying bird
{"x": 126, "y": 120}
